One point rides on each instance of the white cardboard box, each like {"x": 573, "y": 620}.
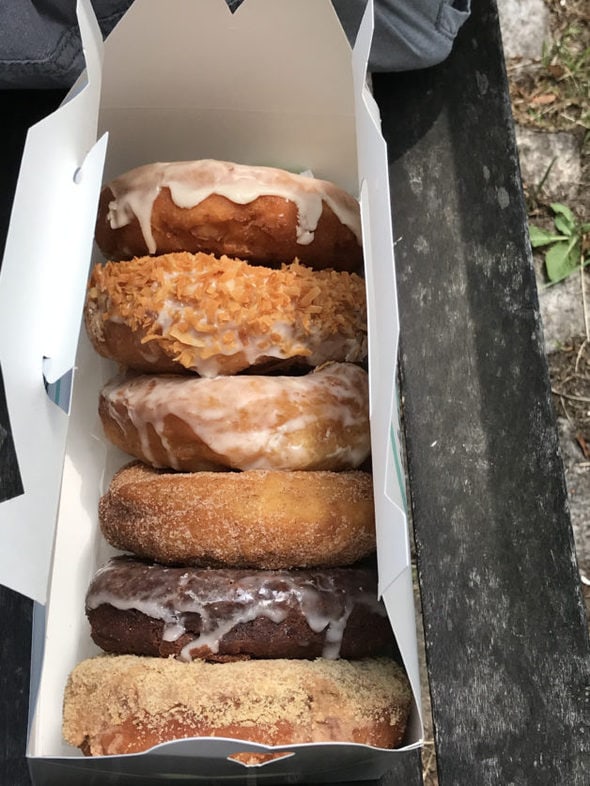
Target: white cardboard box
{"x": 275, "y": 83}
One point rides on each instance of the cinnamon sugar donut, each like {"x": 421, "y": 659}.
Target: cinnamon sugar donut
{"x": 316, "y": 421}
{"x": 226, "y": 614}
{"x": 254, "y": 519}
{"x": 265, "y": 215}
{"x": 221, "y": 316}
{"x": 127, "y": 704}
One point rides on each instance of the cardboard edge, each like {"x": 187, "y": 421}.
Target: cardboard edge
{"x": 399, "y": 602}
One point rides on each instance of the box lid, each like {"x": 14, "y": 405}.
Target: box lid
{"x": 49, "y": 242}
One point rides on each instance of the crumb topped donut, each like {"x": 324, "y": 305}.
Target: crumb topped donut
{"x": 251, "y": 519}
{"x": 261, "y": 214}
{"x": 117, "y": 704}
{"x": 319, "y": 421}
{"x": 220, "y": 316}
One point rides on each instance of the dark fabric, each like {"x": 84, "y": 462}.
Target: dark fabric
{"x": 40, "y": 42}
{"x": 409, "y": 34}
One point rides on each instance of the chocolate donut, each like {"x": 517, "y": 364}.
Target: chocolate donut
{"x": 117, "y": 704}
{"x": 221, "y": 316}
{"x": 139, "y": 608}
{"x": 261, "y": 214}
{"x": 319, "y": 421}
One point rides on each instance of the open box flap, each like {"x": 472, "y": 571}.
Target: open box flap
{"x": 393, "y": 548}
{"x": 383, "y": 327}
{"x": 399, "y": 602}
{"x": 241, "y": 98}
{"x": 48, "y": 243}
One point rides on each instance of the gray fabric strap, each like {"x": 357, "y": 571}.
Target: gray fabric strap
{"x": 409, "y": 34}
{"x": 40, "y": 43}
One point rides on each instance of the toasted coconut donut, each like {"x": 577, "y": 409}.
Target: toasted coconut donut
{"x": 221, "y": 316}
{"x": 126, "y": 704}
{"x": 261, "y": 214}
{"x": 225, "y": 614}
{"x": 252, "y": 519}
{"x": 317, "y": 421}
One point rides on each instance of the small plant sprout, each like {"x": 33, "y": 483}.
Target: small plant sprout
{"x": 567, "y": 247}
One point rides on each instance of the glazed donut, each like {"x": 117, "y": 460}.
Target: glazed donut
{"x": 117, "y": 704}
{"x": 252, "y": 519}
{"x": 221, "y": 316}
{"x": 316, "y": 421}
{"x": 264, "y": 215}
{"x": 139, "y": 608}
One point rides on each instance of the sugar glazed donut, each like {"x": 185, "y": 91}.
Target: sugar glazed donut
{"x": 221, "y": 316}
{"x": 252, "y": 519}
{"x": 316, "y": 421}
{"x": 139, "y": 608}
{"x": 126, "y": 704}
{"x": 265, "y": 215}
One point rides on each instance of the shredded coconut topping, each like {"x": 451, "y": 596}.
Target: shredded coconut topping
{"x": 200, "y": 309}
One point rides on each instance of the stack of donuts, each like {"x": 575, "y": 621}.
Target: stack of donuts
{"x": 245, "y": 604}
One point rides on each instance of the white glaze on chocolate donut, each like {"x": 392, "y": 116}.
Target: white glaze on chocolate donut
{"x": 225, "y": 598}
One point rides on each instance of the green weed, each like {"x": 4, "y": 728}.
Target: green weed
{"x": 567, "y": 247}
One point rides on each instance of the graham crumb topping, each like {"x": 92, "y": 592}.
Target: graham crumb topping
{"x": 109, "y": 690}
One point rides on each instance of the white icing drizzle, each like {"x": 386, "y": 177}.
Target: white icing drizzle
{"x": 258, "y": 421}
{"x": 314, "y": 348}
{"x": 224, "y": 598}
{"x": 190, "y": 182}
{"x": 287, "y": 341}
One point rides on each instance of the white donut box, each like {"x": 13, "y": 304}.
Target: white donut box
{"x": 275, "y": 83}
